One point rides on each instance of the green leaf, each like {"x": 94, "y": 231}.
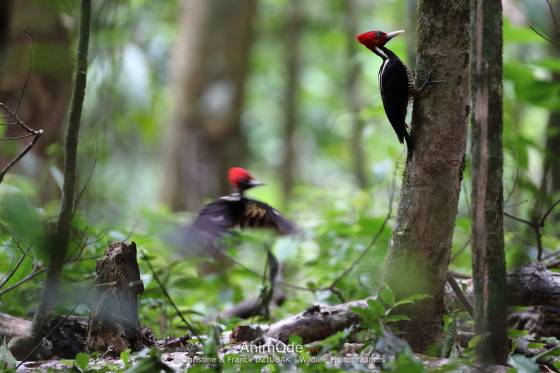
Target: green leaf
{"x": 411, "y": 299}
{"x": 7, "y": 360}
{"x": 81, "y": 361}
{"x": 387, "y": 295}
{"x": 125, "y": 357}
{"x": 523, "y": 364}
{"x": 396, "y": 318}
{"x": 376, "y": 307}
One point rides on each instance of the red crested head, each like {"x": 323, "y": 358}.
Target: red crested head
{"x": 241, "y": 179}
{"x": 375, "y": 39}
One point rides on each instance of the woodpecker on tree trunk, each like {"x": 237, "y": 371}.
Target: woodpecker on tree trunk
{"x": 395, "y": 80}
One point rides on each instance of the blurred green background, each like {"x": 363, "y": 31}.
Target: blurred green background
{"x": 178, "y": 91}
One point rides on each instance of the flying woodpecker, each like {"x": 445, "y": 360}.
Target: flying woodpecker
{"x": 395, "y": 79}
{"x": 236, "y": 210}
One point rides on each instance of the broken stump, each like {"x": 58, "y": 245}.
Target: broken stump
{"x": 114, "y": 324}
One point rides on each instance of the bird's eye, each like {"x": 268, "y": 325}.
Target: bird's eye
{"x": 378, "y": 34}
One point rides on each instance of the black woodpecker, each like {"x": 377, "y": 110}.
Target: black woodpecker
{"x": 395, "y": 79}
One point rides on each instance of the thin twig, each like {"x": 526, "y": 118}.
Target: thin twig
{"x": 371, "y": 244}
{"x": 20, "y": 155}
{"x": 14, "y": 270}
{"x": 17, "y": 137}
{"x": 20, "y": 99}
{"x": 36, "y": 272}
{"x": 461, "y": 250}
{"x": 543, "y": 219}
{"x": 521, "y": 220}
{"x": 459, "y": 293}
{"x": 537, "y": 226}
{"x": 168, "y": 296}
{"x": 543, "y": 35}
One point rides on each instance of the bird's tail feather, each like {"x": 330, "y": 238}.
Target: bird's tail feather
{"x": 408, "y": 140}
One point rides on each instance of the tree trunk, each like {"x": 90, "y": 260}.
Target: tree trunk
{"x": 411, "y": 24}
{"x": 418, "y": 255}
{"x": 550, "y": 182}
{"x": 293, "y": 27}
{"x": 47, "y": 95}
{"x": 208, "y": 73}
{"x": 114, "y": 324}
{"x": 58, "y": 247}
{"x": 489, "y": 268}
{"x": 5, "y": 18}
{"x": 354, "y": 101}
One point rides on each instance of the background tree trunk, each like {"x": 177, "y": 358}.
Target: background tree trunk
{"x": 354, "y": 101}
{"x": 418, "y": 255}
{"x": 208, "y": 74}
{"x": 47, "y": 96}
{"x": 489, "y": 268}
{"x": 411, "y": 24}
{"x": 550, "y": 182}
{"x": 5, "y": 17}
{"x": 293, "y": 29}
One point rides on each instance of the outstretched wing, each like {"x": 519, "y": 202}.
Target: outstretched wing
{"x": 393, "y": 78}
{"x": 258, "y": 214}
{"x": 218, "y": 217}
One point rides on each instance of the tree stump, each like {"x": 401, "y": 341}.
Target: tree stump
{"x": 114, "y": 324}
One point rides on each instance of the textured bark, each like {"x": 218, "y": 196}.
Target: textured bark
{"x": 48, "y": 93}
{"x": 354, "y": 101}
{"x": 59, "y": 245}
{"x": 114, "y": 324}
{"x": 489, "y": 268}
{"x": 208, "y": 73}
{"x": 418, "y": 255}
{"x": 293, "y": 30}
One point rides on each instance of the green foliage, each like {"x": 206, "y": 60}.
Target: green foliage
{"x": 81, "y": 361}
{"x": 523, "y": 364}
{"x": 149, "y": 360}
{"x": 125, "y": 358}
{"x": 7, "y": 360}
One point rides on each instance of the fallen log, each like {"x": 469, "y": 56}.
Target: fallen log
{"x": 11, "y": 326}
{"x": 317, "y": 322}
{"x": 534, "y": 285}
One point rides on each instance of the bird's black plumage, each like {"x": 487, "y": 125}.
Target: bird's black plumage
{"x": 235, "y": 210}
{"x": 395, "y": 82}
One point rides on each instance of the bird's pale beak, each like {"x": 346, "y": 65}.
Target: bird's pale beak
{"x": 255, "y": 183}
{"x": 391, "y": 35}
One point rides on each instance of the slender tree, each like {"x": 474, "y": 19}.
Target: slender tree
{"x": 293, "y": 28}
{"x": 208, "y": 74}
{"x": 58, "y": 246}
{"x": 489, "y": 270}
{"x": 353, "y": 98}
{"x": 418, "y": 255}
{"x": 550, "y": 182}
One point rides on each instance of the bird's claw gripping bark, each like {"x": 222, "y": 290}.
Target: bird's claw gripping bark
{"x": 427, "y": 83}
